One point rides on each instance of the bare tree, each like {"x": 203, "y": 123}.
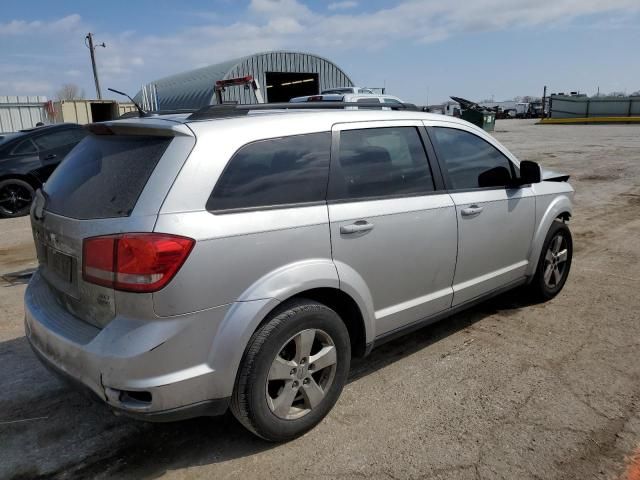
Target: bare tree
{"x": 70, "y": 91}
{"x": 525, "y": 99}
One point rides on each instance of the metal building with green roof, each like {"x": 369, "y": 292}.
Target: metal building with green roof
{"x": 280, "y": 75}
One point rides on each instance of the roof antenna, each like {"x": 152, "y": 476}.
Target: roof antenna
{"x": 140, "y": 110}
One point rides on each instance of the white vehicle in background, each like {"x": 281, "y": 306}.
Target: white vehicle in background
{"x": 354, "y": 90}
{"x": 522, "y": 108}
{"x": 452, "y": 109}
{"x": 349, "y": 98}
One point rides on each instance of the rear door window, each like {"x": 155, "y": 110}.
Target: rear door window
{"x": 275, "y": 172}
{"x": 60, "y": 138}
{"x": 380, "y": 162}
{"x": 104, "y": 176}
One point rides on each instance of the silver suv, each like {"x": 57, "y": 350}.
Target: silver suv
{"x": 235, "y": 258}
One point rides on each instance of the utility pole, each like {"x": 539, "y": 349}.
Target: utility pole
{"x": 92, "y": 48}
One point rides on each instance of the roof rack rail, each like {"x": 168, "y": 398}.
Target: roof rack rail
{"x": 238, "y": 110}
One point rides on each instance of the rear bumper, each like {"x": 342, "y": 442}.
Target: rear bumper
{"x": 207, "y": 408}
{"x": 158, "y": 370}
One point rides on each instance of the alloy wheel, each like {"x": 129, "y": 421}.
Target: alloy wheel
{"x": 301, "y": 374}
{"x": 14, "y": 199}
{"x": 555, "y": 261}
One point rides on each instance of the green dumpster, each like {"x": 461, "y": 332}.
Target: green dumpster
{"x": 484, "y": 119}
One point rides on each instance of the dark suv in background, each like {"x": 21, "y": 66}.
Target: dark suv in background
{"x": 27, "y": 158}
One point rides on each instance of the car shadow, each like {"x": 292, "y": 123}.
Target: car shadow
{"x": 37, "y": 410}
{"x": 505, "y": 304}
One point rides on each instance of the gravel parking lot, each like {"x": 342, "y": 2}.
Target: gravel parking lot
{"x": 506, "y": 390}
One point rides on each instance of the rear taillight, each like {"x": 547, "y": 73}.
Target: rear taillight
{"x": 134, "y": 262}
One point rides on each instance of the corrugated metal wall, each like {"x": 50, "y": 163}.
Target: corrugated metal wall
{"x": 18, "y": 113}
{"x": 584, "y": 107}
{"x": 195, "y": 89}
{"x": 329, "y": 74}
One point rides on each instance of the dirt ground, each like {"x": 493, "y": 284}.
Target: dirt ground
{"x": 507, "y": 390}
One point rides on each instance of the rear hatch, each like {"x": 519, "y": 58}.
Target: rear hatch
{"x": 114, "y": 181}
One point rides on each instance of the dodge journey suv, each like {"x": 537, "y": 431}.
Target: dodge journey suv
{"x": 236, "y": 258}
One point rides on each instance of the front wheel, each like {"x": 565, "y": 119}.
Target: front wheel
{"x": 15, "y": 197}
{"x": 554, "y": 263}
{"x": 293, "y": 371}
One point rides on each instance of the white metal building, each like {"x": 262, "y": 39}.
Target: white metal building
{"x": 18, "y": 112}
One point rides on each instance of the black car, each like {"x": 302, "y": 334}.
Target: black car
{"x": 27, "y": 158}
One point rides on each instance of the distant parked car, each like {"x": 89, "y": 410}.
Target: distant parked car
{"x": 354, "y": 90}
{"x": 27, "y": 158}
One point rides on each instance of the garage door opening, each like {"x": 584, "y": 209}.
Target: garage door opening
{"x": 101, "y": 112}
{"x": 283, "y": 86}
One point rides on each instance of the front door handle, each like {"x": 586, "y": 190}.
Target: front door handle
{"x": 471, "y": 211}
{"x": 51, "y": 156}
{"x": 358, "y": 227}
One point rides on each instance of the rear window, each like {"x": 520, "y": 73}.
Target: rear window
{"x": 275, "y": 172}
{"x": 103, "y": 176}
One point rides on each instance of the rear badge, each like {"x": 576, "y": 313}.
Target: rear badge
{"x": 103, "y": 299}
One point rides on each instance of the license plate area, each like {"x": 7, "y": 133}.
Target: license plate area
{"x": 59, "y": 263}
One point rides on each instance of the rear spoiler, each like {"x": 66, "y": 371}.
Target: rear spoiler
{"x": 135, "y": 127}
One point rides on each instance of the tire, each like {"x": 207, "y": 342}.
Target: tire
{"x": 554, "y": 261}
{"x": 265, "y": 383}
{"x": 15, "y": 198}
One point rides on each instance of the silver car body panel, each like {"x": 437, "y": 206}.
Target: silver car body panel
{"x": 184, "y": 343}
{"x": 413, "y": 242}
{"x": 494, "y": 244}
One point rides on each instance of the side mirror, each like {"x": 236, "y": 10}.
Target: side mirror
{"x": 529, "y": 172}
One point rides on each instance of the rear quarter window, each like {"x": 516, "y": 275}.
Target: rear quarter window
{"x": 103, "y": 176}
{"x": 275, "y": 172}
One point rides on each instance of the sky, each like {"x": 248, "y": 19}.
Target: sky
{"x": 421, "y": 50}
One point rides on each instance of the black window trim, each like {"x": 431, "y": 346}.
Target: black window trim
{"x": 438, "y": 183}
{"x": 279, "y": 206}
{"x": 20, "y": 142}
{"x": 430, "y": 132}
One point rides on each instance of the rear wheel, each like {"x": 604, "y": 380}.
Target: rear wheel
{"x": 554, "y": 263}
{"x": 15, "y": 197}
{"x": 293, "y": 371}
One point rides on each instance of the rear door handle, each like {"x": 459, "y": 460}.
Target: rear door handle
{"x": 359, "y": 226}
{"x": 471, "y": 210}
{"x": 51, "y": 156}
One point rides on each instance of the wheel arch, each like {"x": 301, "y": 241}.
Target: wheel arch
{"x": 315, "y": 279}
{"x": 346, "y": 308}
{"x": 30, "y": 179}
{"x": 560, "y": 208}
